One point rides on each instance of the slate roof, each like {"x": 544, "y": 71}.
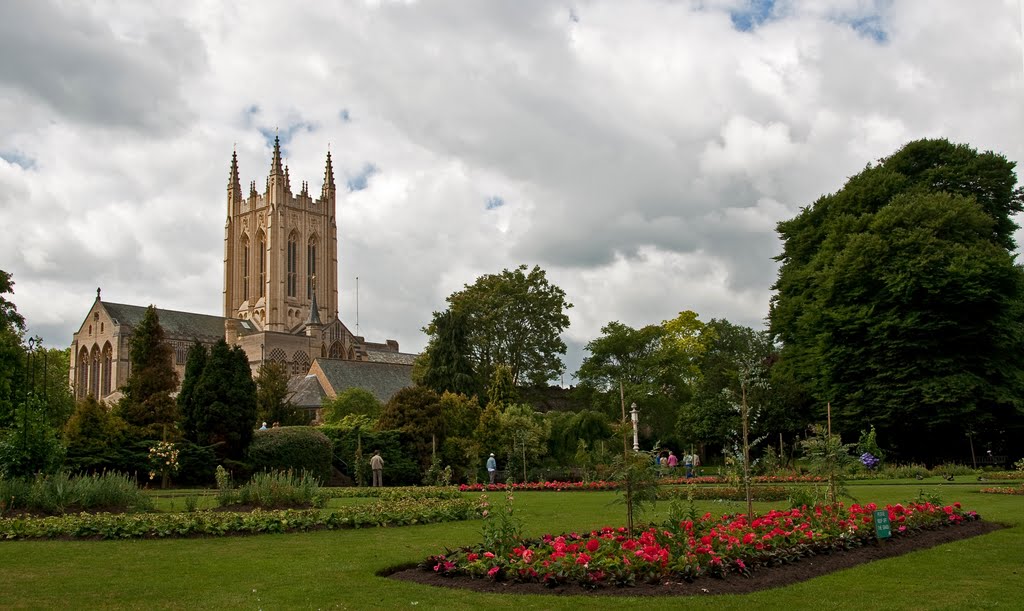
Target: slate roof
{"x": 174, "y": 323}
{"x": 381, "y": 379}
{"x": 390, "y": 356}
{"x": 306, "y": 391}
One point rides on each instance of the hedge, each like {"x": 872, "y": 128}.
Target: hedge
{"x": 295, "y": 448}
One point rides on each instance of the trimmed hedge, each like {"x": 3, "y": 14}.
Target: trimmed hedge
{"x": 295, "y": 448}
{"x": 219, "y": 524}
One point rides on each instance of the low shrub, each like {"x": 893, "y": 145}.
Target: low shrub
{"x": 296, "y": 448}
{"x": 219, "y": 524}
{"x": 62, "y": 493}
{"x": 273, "y": 490}
{"x": 400, "y": 492}
{"x": 1004, "y": 490}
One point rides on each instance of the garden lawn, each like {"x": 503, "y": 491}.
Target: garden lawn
{"x": 337, "y": 569}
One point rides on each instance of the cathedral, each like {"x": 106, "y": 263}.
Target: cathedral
{"x": 280, "y": 302}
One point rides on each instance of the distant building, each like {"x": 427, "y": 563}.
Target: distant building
{"x": 280, "y": 302}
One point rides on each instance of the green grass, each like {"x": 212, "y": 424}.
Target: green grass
{"x": 336, "y": 569}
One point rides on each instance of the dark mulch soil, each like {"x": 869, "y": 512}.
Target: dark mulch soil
{"x": 761, "y": 579}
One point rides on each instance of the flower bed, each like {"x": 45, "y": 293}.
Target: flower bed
{"x": 1004, "y": 490}
{"x": 724, "y": 493}
{"x": 556, "y": 486}
{"x": 393, "y": 512}
{"x": 730, "y": 544}
{"x": 415, "y": 492}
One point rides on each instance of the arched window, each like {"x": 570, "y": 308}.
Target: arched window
{"x": 82, "y": 388}
{"x": 261, "y": 243}
{"x": 293, "y": 265}
{"x": 336, "y": 349}
{"x": 108, "y": 363}
{"x": 310, "y": 266}
{"x": 245, "y": 267}
{"x": 300, "y": 363}
{"x": 94, "y": 372}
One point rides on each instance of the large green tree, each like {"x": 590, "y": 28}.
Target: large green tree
{"x": 147, "y": 405}
{"x": 446, "y": 366}
{"x": 224, "y": 402}
{"x": 415, "y": 412}
{"x": 514, "y": 318}
{"x": 899, "y": 301}
{"x": 12, "y": 327}
{"x": 351, "y": 401}
{"x": 654, "y": 366}
{"x": 273, "y": 402}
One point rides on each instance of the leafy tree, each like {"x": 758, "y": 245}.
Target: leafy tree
{"x": 224, "y": 399}
{"x": 654, "y": 367}
{"x": 92, "y": 435}
{"x": 195, "y": 363}
{"x": 30, "y": 445}
{"x": 446, "y": 363}
{"x": 501, "y": 391}
{"x": 12, "y": 327}
{"x": 461, "y": 450}
{"x": 710, "y": 416}
{"x": 514, "y": 318}
{"x": 899, "y": 301}
{"x": 351, "y": 401}
{"x": 272, "y": 396}
{"x": 147, "y": 405}
{"x": 521, "y": 437}
{"x": 415, "y": 412}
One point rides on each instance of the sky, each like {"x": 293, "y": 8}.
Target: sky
{"x": 640, "y": 152}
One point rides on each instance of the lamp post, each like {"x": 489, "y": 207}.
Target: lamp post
{"x": 634, "y": 416}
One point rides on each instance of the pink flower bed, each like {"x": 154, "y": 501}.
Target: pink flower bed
{"x": 1004, "y": 490}
{"x": 713, "y": 546}
{"x": 557, "y": 486}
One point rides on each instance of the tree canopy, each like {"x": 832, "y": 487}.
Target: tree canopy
{"x": 147, "y": 404}
{"x": 446, "y": 363}
{"x": 223, "y": 401}
{"x": 899, "y": 301}
{"x": 514, "y": 318}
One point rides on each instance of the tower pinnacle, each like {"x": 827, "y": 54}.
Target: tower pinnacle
{"x": 328, "y": 187}
{"x": 233, "y": 183}
{"x": 275, "y": 164}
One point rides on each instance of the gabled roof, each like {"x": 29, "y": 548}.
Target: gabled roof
{"x": 174, "y": 323}
{"x": 390, "y": 356}
{"x": 383, "y": 380}
{"x": 305, "y": 391}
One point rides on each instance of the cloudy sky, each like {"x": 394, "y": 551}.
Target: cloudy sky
{"x": 640, "y": 152}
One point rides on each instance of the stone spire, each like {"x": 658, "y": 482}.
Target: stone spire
{"x": 328, "y": 189}
{"x": 275, "y": 164}
{"x": 313, "y": 323}
{"x": 233, "y": 182}
{"x": 287, "y": 180}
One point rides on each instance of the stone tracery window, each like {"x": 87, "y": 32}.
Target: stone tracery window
{"x": 245, "y": 267}
{"x": 293, "y": 265}
{"x": 310, "y": 266}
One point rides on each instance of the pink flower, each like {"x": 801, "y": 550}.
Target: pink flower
{"x": 582, "y": 558}
{"x": 493, "y": 571}
{"x": 488, "y": 555}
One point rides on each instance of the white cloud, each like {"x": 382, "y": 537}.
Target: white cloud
{"x": 642, "y": 151}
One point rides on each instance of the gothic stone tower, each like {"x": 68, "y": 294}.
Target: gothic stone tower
{"x": 281, "y": 252}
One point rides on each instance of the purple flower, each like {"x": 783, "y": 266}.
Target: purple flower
{"x": 869, "y": 461}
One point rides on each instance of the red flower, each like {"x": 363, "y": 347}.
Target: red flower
{"x": 593, "y": 544}
{"x": 582, "y": 558}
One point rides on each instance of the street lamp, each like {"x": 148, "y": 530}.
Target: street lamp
{"x": 634, "y": 416}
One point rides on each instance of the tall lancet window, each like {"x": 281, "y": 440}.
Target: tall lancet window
{"x": 245, "y": 268}
{"x": 293, "y": 265}
{"x": 261, "y": 244}
{"x": 311, "y": 266}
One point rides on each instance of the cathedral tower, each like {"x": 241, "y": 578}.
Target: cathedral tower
{"x": 281, "y": 251}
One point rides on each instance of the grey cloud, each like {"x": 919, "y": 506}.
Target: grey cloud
{"x": 73, "y": 61}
